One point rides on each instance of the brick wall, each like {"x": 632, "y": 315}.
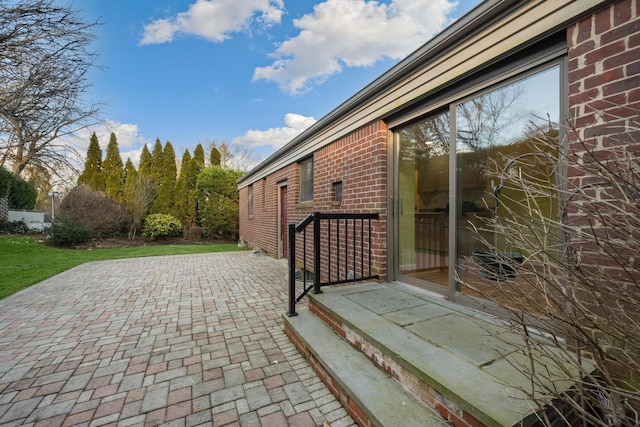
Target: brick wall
{"x": 604, "y": 100}
{"x": 260, "y": 231}
{"x": 358, "y": 160}
{"x": 604, "y": 77}
{"x": 604, "y": 147}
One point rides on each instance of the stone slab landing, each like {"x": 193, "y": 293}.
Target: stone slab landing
{"x": 399, "y": 356}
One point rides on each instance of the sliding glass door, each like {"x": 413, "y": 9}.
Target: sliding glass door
{"x": 423, "y": 199}
{"x": 448, "y": 168}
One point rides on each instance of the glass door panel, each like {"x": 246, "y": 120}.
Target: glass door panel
{"x": 504, "y": 131}
{"x": 423, "y": 197}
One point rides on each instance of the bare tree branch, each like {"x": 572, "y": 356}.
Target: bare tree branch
{"x": 575, "y": 297}
{"x": 44, "y": 63}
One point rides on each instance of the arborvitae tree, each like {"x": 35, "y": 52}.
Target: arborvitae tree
{"x": 191, "y": 213}
{"x": 23, "y": 194}
{"x": 164, "y": 202}
{"x": 138, "y": 194}
{"x": 156, "y": 175}
{"x": 186, "y": 190}
{"x": 145, "y": 162}
{"x": 169, "y": 162}
{"x": 157, "y": 162}
{"x": 186, "y": 158}
{"x": 214, "y": 156}
{"x": 113, "y": 170}
{"x": 90, "y": 175}
{"x": 130, "y": 175}
{"x": 180, "y": 195}
{"x": 198, "y": 154}
{"x": 218, "y": 208}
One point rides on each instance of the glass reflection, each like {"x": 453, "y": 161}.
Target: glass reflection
{"x": 423, "y": 223}
{"x": 507, "y": 130}
{"x": 500, "y": 127}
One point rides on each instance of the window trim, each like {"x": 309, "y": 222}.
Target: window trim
{"x": 303, "y": 194}
{"x": 337, "y": 192}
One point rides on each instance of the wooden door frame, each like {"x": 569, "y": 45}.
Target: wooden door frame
{"x": 281, "y": 240}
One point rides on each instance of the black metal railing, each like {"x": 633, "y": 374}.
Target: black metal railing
{"x": 341, "y": 251}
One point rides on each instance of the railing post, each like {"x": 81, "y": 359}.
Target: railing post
{"x": 316, "y": 254}
{"x": 292, "y": 271}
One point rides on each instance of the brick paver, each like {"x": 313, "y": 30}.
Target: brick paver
{"x": 193, "y": 340}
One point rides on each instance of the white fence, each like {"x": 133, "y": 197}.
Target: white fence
{"x": 33, "y": 219}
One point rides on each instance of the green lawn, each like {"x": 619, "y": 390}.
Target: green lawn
{"x": 26, "y": 260}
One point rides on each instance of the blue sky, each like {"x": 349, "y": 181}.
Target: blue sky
{"x": 254, "y": 73}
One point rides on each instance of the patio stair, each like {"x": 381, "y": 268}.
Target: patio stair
{"x": 367, "y": 392}
{"x": 395, "y": 358}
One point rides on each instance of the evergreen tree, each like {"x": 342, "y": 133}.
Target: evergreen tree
{"x": 157, "y": 163}
{"x": 186, "y": 190}
{"x": 169, "y": 163}
{"x": 198, "y": 154}
{"x": 6, "y": 179}
{"x": 145, "y": 162}
{"x": 165, "y": 201}
{"x": 214, "y": 156}
{"x": 218, "y": 208}
{"x": 130, "y": 175}
{"x": 186, "y": 158}
{"x": 91, "y": 175}
{"x": 155, "y": 174}
{"x": 113, "y": 170}
{"x": 193, "y": 170}
{"x": 138, "y": 196}
{"x": 20, "y": 193}
{"x": 163, "y": 173}
{"x": 180, "y": 195}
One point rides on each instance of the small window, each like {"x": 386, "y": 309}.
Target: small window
{"x": 337, "y": 191}
{"x": 306, "y": 180}
{"x": 251, "y": 200}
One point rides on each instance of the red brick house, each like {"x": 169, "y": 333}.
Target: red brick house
{"x": 567, "y": 59}
{"x": 406, "y": 145}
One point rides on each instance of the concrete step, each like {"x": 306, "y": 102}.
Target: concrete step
{"x": 456, "y": 353}
{"x": 381, "y": 398}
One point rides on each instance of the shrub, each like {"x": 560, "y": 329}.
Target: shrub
{"x": 218, "y": 204}
{"x": 67, "y": 235}
{"x": 13, "y": 227}
{"x": 20, "y": 193}
{"x": 158, "y": 226}
{"x": 194, "y": 233}
{"x": 95, "y": 211}
{"x": 578, "y": 287}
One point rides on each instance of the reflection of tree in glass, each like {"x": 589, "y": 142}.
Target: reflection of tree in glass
{"x": 482, "y": 120}
{"x": 426, "y": 139}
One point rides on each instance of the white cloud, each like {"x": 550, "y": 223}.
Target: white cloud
{"x": 130, "y": 141}
{"x": 214, "y": 20}
{"x": 352, "y": 33}
{"x": 276, "y": 137}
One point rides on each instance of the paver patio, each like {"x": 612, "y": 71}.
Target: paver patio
{"x": 183, "y": 340}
